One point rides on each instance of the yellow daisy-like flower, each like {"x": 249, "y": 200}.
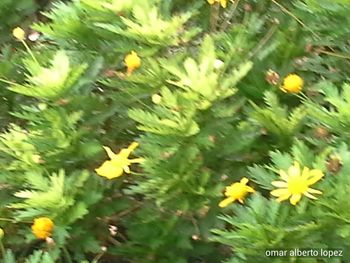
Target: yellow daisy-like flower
{"x": 292, "y": 84}
{"x": 132, "y": 62}
{"x": 42, "y": 227}
{"x": 236, "y": 191}
{"x": 296, "y": 183}
{"x": 19, "y": 33}
{"x": 222, "y": 2}
{"x": 118, "y": 163}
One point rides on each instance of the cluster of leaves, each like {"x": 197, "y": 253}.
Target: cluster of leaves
{"x": 14, "y": 12}
{"x": 204, "y": 116}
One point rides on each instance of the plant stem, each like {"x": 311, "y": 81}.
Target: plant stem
{"x": 285, "y": 10}
{"x": 66, "y": 255}
{"x": 264, "y": 40}
{"x": 335, "y": 54}
{"x": 29, "y": 51}
{"x": 97, "y": 258}
{"x": 2, "y": 248}
{"x": 226, "y": 23}
{"x": 214, "y": 16}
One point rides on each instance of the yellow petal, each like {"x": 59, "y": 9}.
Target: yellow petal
{"x": 137, "y": 160}
{"x": 314, "y": 191}
{"x": 283, "y": 197}
{"x": 294, "y": 170}
{"x": 241, "y": 200}
{"x": 279, "y": 192}
{"x": 244, "y": 180}
{"x": 250, "y": 189}
{"x": 223, "y": 3}
{"x": 279, "y": 184}
{"x": 109, "y": 170}
{"x": 295, "y": 199}
{"x": 133, "y": 146}
{"x": 226, "y": 202}
{"x": 305, "y": 173}
{"x": 211, "y": 2}
{"x": 284, "y": 175}
{"x": 110, "y": 153}
{"x": 126, "y": 169}
{"x": 314, "y": 176}
{"x": 309, "y": 195}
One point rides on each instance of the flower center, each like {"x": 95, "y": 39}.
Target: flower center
{"x": 237, "y": 190}
{"x": 297, "y": 185}
{"x": 121, "y": 161}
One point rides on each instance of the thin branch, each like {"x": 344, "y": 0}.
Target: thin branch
{"x": 335, "y": 54}
{"x": 29, "y": 51}
{"x": 230, "y": 15}
{"x": 285, "y": 10}
{"x": 264, "y": 40}
{"x": 214, "y": 16}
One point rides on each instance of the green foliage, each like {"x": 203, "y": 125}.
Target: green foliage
{"x": 204, "y": 114}
{"x": 148, "y": 26}
{"x": 53, "y": 82}
{"x": 12, "y": 13}
{"x": 276, "y": 119}
{"x": 52, "y": 197}
{"x": 333, "y": 110}
{"x": 264, "y": 225}
{"x": 37, "y": 257}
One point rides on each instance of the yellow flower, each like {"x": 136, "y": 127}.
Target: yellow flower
{"x": 19, "y": 33}
{"x": 236, "y": 191}
{"x": 222, "y": 2}
{"x": 118, "y": 163}
{"x": 296, "y": 183}
{"x": 132, "y": 62}
{"x": 42, "y": 227}
{"x": 2, "y": 233}
{"x": 292, "y": 84}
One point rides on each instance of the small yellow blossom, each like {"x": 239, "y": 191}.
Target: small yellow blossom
{"x": 42, "y": 227}
{"x": 2, "y": 233}
{"x": 292, "y": 84}
{"x": 132, "y": 62}
{"x": 222, "y": 2}
{"x": 118, "y": 163}
{"x": 296, "y": 183}
{"x": 236, "y": 191}
{"x": 19, "y": 33}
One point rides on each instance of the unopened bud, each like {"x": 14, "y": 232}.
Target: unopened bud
{"x": 19, "y": 34}
{"x": 50, "y": 242}
{"x": 156, "y": 99}
{"x": 34, "y": 36}
{"x": 218, "y": 64}
{"x": 196, "y": 237}
{"x": 272, "y": 77}
{"x": 113, "y": 230}
{"x": 334, "y": 164}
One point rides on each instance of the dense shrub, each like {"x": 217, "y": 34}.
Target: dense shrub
{"x": 164, "y": 131}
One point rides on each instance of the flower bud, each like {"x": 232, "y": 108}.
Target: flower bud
{"x": 156, "y": 99}
{"x": 19, "y": 34}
